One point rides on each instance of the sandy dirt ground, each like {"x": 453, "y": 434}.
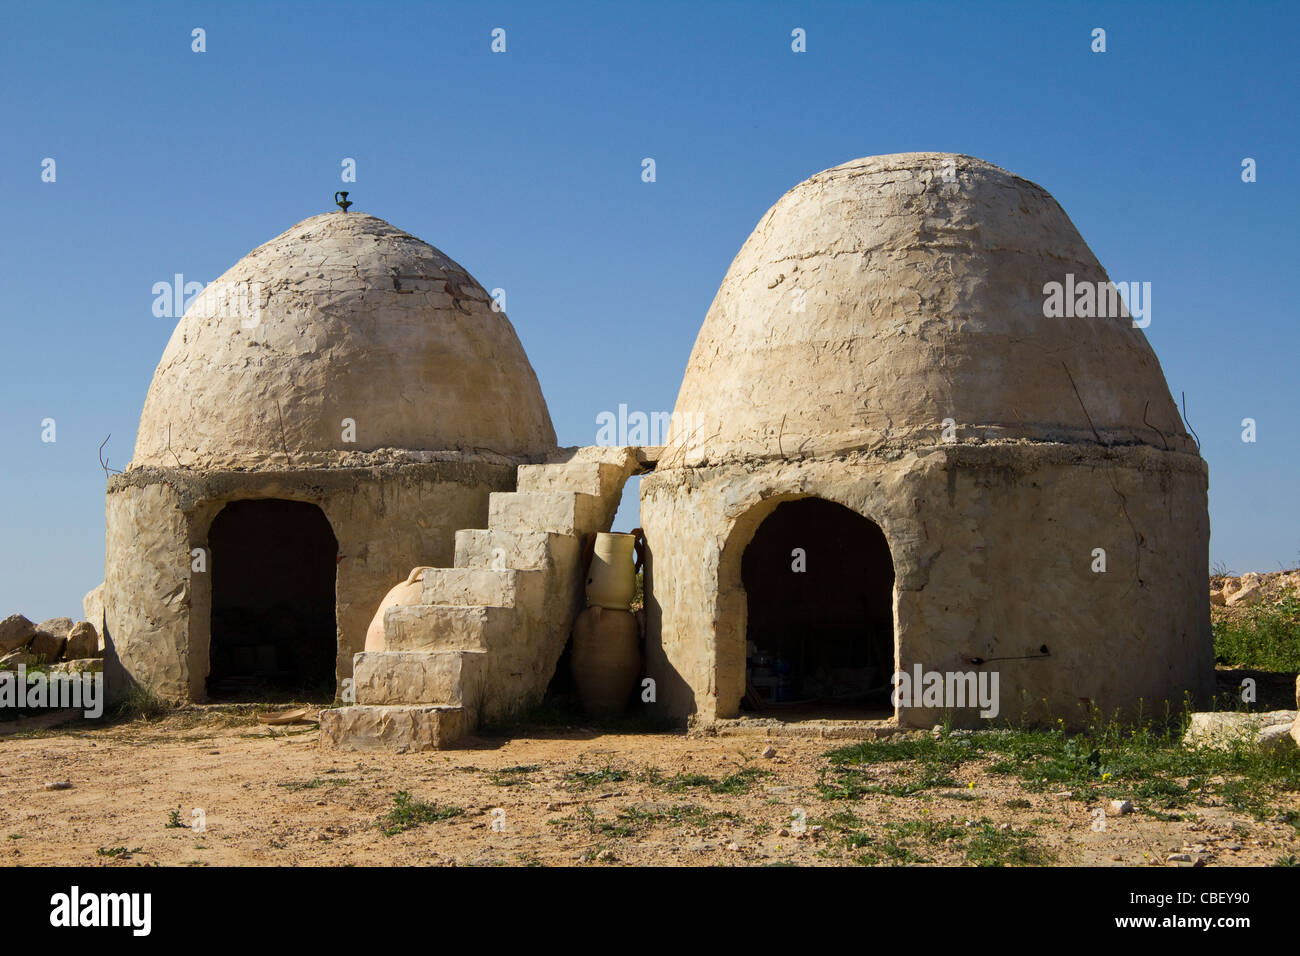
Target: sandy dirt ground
{"x": 273, "y": 797}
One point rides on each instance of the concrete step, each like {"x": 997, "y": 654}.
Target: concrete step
{"x": 446, "y": 627}
{"x": 395, "y": 728}
{"x": 559, "y": 512}
{"x": 521, "y": 550}
{"x": 480, "y": 586}
{"x": 602, "y": 479}
{"x": 419, "y": 677}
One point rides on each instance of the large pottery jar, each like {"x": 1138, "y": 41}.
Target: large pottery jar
{"x": 611, "y": 581}
{"x": 606, "y": 659}
{"x": 410, "y": 591}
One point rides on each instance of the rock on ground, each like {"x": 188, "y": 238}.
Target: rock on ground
{"x": 59, "y": 627}
{"x": 90, "y": 665}
{"x": 15, "y": 632}
{"x": 51, "y": 636}
{"x": 1267, "y": 731}
{"x": 10, "y": 661}
{"x": 92, "y": 606}
{"x": 1295, "y": 728}
{"x": 83, "y": 642}
{"x": 1253, "y": 588}
{"x": 1246, "y": 596}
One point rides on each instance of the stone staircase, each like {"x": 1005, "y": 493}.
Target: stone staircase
{"x": 486, "y": 639}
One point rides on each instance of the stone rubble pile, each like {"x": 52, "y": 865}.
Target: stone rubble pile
{"x": 1253, "y": 588}
{"x": 59, "y": 643}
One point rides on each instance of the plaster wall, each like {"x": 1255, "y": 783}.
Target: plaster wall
{"x": 993, "y": 553}
{"x": 387, "y": 520}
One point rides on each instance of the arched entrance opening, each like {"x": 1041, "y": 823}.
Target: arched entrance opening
{"x": 819, "y": 640}
{"x": 273, "y": 625}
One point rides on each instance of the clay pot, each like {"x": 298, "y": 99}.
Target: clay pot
{"x": 410, "y": 591}
{"x": 606, "y": 659}
{"x": 611, "y": 580}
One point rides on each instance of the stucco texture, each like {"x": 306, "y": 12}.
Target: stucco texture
{"x": 350, "y": 318}
{"x": 921, "y": 300}
{"x": 387, "y": 521}
{"x": 921, "y": 278}
{"x": 346, "y": 364}
{"x": 993, "y": 555}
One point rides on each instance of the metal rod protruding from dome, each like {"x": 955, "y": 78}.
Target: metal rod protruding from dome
{"x": 342, "y": 203}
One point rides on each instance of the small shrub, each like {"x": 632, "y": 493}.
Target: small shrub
{"x": 408, "y": 813}
{"x": 140, "y": 703}
{"x": 512, "y": 776}
{"x": 594, "y": 778}
{"x": 116, "y": 852}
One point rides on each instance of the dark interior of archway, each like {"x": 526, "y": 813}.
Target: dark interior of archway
{"x": 273, "y": 629}
{"x": 820, "y": 641}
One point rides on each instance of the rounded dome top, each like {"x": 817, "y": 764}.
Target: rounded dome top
{"x": 883, "y": 296}
{"x": 341, "y": 335}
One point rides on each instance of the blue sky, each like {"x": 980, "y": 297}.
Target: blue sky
{"x": 525, "y": 167}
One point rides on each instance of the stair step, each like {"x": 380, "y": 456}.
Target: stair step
{"x": 521, "y": 550}
{"x": 478, "y": 586}
{"x": 586, "y": 477}
{"x": 419, "y": 677}
{"x": 445, "y": 627}
{"x": 559, "y": 512}
{"x": 396, "y": 728}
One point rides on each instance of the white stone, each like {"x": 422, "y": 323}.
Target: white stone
{"x": 420, "y": 677}
{"x": 521, "y": 550}
{"x": 559, "y": 512}
{"x": 445, "y": 627}
{"x": 399, "y": 729}
{"x": 1223, "y": 729}
{"x": 1248, "y": 595}
{"x": 498, "y": 588}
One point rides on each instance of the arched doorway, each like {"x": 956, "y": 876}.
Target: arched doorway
{"x": 819, "y": 582}
{"x": 273, "y": 626}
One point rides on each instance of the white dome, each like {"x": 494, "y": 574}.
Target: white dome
{"x": 880, "y": 297}
{"x": 342, "y": 317}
